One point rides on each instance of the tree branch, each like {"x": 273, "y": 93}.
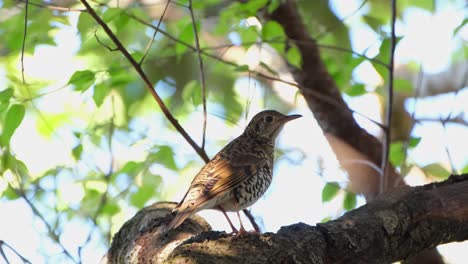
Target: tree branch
{"x": 392, "y": 227}
{"x": 146, "y": 81}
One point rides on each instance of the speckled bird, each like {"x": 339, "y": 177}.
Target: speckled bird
{"x": 238, "y": 175}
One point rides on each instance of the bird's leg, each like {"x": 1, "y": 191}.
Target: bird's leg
{"x": 252, "y": 220}
{"x": 234, "y": 229}
{"x": 242, "y": 229}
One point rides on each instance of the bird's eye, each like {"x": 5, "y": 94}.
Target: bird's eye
{"x": 268, "y": 119}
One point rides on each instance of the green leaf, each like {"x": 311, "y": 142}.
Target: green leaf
{"x": 252, "y": 7}
{"x": 9, "y": 193}
{"x": 164, "y": 156}
{"x": 384, "y": 56}
{"x": 140, "y": 197}
{"x": 76, "y": 151}
{"x": 110, "y": 208}
{"x": 82, "y": 80}
{"x": 326, "y": 219}
{"x": 13, "y": 119}
{"x": 248, "y": 35}
{"x": 436, "y": 170}
{"x": 111, "y": 14}
{"x": 373, "y": 22}
{"x": 273, "y": 33}
{"x": 242, "y": 68}
{"x": 293, "y": 55}
{"x": 457, "y": 29}
{"x": 187, "y": 36}
{"x": 100, "y": 92}
{"x": 402, "y": 85}
{"x": 192, "y": 92}
{"x": 274, "y": 4}
{"x": 6, "y": 94}
{"x": 85, "y": 24}
{"x": 349, "y": 201}
{"x": 329, "y": 191}
{"x": 465, "y": 169}
{"x": 414, "y": 141}
{"x": 397, "y": 153}
{"x": 356, "y": 90}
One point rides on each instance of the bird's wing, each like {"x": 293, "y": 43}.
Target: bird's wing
{"x": 224, "y": 175}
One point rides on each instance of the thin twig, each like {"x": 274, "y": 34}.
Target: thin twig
{"x": 202, "y": 71}
{"x": 25, "y": 260}
{"x": 146, "y": 81}
{"x": 148, "y": 47}
{"x": 23, "y": 45}
{"x": 389, "y": 105}
{"x": 20, "y": 192}
{"x": 102, "y": 43}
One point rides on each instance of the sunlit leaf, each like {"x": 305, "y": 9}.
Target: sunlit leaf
{"x": 164, "y": 156}
{"x": 242, "y": 68}
{"x": 82, "y": 80}
{"x": 141, "y": 196}
{"x": 186, "y": 36}
{"x": 14, "y": 116}
{"x": 356, "y": 90}
{"x": 273, "y": 33}
{"x": 101, "y": 90}
{"x": 402, "y": 85}
{"x": 436, "y": 170}
{"x": 110, "y": 208}
{"x": 273, "y": 5}
{"x": 111, "y": 14}
{"x": 76, "y": 151}
{"x": 293, "y": 55}
{"x": 414, "y": 141}
{"x": 192, "y": 92}
{"x": 349, "y": 201}
{"x": 462, "y": 25}
{"x": 248, "y": 35}
{"x": 329, "y": 191}
{"x": 6, "y": 94}
{"x": 397, "y": 153}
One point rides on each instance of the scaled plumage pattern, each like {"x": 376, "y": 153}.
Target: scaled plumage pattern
{"x": 239, "y": 174}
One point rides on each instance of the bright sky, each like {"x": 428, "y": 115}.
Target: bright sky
{"x": 296, "y": 189}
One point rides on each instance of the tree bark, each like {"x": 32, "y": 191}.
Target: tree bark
{"x": 392, "y": 227}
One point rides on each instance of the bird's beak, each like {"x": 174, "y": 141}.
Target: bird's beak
{"x": 291, "y": 117}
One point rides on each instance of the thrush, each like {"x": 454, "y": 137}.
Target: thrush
{"x": 238, "y": 175}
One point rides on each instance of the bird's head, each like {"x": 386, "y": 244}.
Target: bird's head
{"x": 268, "y": 124}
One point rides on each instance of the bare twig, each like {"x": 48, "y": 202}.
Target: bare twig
{"x": 155, "y": 33}
{"x": 102, "y": 43}
{"x": 3, "y": 243}
{"x": 20, "y": 192}
{"x": 146, "y": 81}
{"x": 202, "y": 71}
{"x": 23, "y": 45}
{"x": 389, "y": 105}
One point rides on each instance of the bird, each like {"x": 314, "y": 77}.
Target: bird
{"x": 238, "y": 175}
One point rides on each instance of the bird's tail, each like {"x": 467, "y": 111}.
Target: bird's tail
{"x": 180, "y": 215}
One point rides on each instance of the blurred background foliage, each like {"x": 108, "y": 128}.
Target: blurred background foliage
{"x": 84, "y": 144}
